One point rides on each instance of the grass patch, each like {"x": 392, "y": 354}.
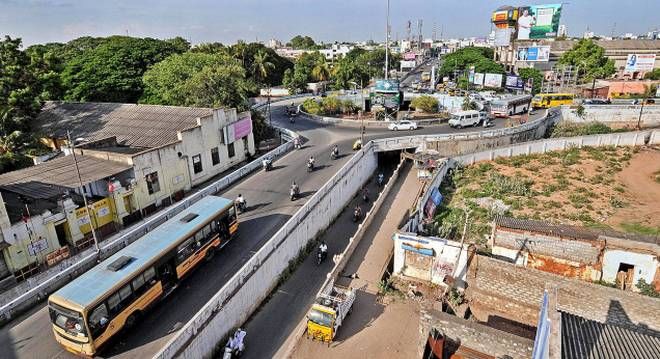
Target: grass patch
{"x": 640, "y": 229}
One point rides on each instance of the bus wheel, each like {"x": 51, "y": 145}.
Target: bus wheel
{"x": 210, "y": 253}
{"x": 132, "y": 320}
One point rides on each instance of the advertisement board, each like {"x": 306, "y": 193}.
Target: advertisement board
{"x": 493, "y": 80}
{"x": 478, "y": 78}
{"x": 640, "y": 62}
{"x": 503, "y": 36}
{"x": 471, "y": 75}
{"x": 538, "y": 21}
{"x": 242, "y": 127}
{"x": 387, "y": 86}
{"x": 408, "y": 64}
{"x": 533, "y": 54}
{"x": 409, "y": 56}
{"x": 387, "y": 100}
{"x": 514, "y": 82}
{"x": 504, "y": 15}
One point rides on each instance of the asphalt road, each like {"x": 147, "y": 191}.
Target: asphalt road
{"x": 30, "y": 335}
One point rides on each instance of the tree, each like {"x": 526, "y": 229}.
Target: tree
{"x": 197, "y": 79}
{"x": 425, "y": 103}
{"x": 653, "y": 75}
{"x": 468, "y": 104}
{"x": 462, "y": 59}
{"x": 261, "y": 66}
{"x": 302, "y": 43}
{"x": 589, "y": 60}
{"x": 112, "y": 71}
{"x": 211, "y": 48}
{"x": 535, "y": 75}
{"x": 321, "y": 70}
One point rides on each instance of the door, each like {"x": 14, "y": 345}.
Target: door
{"x": 167, "y": 275}
{"x": 624, "y": 276}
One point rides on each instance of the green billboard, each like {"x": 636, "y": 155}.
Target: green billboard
{"x": 538, "y": 21}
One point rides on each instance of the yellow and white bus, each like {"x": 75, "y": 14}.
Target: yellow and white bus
{"x": 113, "y": 295}
{"x": 547, "y": 100}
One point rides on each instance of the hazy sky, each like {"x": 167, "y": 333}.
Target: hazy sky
{"x": 39, "y": 21}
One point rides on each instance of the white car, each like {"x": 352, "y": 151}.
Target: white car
{"x": 402, "y": 125}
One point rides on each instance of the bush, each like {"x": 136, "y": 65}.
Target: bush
{"x": 348, "y": 107}
{"x": 425, "y": 103}
{"x": 311, "y": 106}
{"x": 331, "y": 105}
{"x": 570, "y": 129}
{"x": 647, "y": 289}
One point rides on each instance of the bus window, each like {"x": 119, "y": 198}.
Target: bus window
{"x": 66, "y": 319}
{"x": 185, "y": 250}
{"x": 98, "y": 319}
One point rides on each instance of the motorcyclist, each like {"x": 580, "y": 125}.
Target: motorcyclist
{"x": 310, "y": 163}
{"x": 240, "y": 201}
{"x": 296, "y": 142}
{"x": 335, "y": 151}
{"x": 323, "y": 248}
{"x": 266, "y": 162}
{"x": 381, "y": 178}
{"x": 365, "y": 193}
{"x": 294, "y": 187}
{"x": 358, "y": 211}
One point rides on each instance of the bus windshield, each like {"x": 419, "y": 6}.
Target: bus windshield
{"x": 320, "y": 318}
{"x": 69, "y": 320}
{"x": 536, "y": 98}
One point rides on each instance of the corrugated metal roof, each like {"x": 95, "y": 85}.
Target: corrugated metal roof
{"x": 40, "y": 180}
{"x": 144, "y": 126}
{"x": 587, "y": 339}
{"x": 568, "y": 231}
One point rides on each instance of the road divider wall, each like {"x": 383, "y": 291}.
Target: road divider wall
{"x": 616, "y": 116}
{"x": 248, "y": 287}
{"x": 26, "y": 294}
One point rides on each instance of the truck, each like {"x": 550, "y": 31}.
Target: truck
{"x": 426, "y": 76}
{"x": 329, "y": 311}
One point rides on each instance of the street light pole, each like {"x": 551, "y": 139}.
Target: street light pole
{"x": 387, "y": 41}
{"x": 82, "y": 192}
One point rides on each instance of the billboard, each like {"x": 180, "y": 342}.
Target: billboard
{"x": 387, "y": 86}
{"x": 640, "y": 62}
{"x": 538, "y": 21}
{"x": 408, "y": 64}
{"x": 478, "y": 78}
{"x": 493, "y": 80}
{"x": 503, "y": 36}
{"x": 514, "y": 82}
{"x": 387, "y": 100}
{"x": 533, "y": 54}
{"x": 409, "y": 56}
{"x": 503, "y": 16}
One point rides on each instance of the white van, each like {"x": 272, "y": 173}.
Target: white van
{"x": 464, "y": 119}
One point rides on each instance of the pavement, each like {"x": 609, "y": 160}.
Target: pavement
{"x": 374, "y": 330}
{"x": 30, "y": 335}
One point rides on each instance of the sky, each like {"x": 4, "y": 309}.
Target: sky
{"x": 226, "y": 21}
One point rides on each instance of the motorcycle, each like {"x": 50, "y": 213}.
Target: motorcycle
{"x": 365, "y": 196}
{"x": 320, "y": 256}
{"x": 242, "y": 206}
{"x": 294, "y": 193}
{"x": 310, "y": 167}
{"x": 381, "y": 179}
{"x": 334, "y": 154}
{"x": 235, "y": 345}
{"x": 268, "y": 165}
{"x": 356, "y": 215}
{"x": 291, "y": 119}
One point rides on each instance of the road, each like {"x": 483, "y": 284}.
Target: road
{"x": 30, "y": 336}
{"x": 417, "y": 74}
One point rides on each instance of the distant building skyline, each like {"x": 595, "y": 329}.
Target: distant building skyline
{"x": 42, "y": 21}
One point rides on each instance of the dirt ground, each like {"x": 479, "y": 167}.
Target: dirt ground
{"x": 598, "y": 187}
{"x": 390, "y": 331}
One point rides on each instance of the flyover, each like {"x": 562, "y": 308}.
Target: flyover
{"x": 30, "y": 335}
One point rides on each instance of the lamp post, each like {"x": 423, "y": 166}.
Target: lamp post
{"x": 387, "y": 41}
{"x": 82, "y": 192}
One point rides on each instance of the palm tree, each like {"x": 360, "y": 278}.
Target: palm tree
{"x": 321, "y": 70}
{"x": 261, "y": 66}
{"x": 10, "y": 138}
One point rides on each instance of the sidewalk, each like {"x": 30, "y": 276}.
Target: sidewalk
{"x": 374, "y": 330}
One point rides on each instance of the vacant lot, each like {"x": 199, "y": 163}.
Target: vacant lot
{"x": 605, "y": 187}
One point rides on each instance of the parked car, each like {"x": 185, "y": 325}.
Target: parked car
{"x": 597, "y": 101}
{"x": 402, "y": 125}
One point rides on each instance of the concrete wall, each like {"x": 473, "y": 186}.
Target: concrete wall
{"x": 243, "y": 293}
{"x": 615, "y": 116}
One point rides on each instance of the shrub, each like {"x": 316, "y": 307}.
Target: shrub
{"x": 570, "y": 129}
{"x": 331, "y": 105}
{"x": 311, "y": 106}
{"x": 348, "y": 107}
{"x": 647, "y": 289}
{"x": 425, "y": 103}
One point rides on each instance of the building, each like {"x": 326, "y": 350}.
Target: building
{"x": 274, "y": 44}
{"x": 336, "y": 51}
{"x": 576, "y": 252}
{"x": 133, "y": 159}
{"x": 617, "y": 50}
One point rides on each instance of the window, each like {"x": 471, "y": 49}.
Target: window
{"x": 138, "y": 282}
{"x": 215, "y": 156}
{"x": 230, "y": 150}
{"x": 185, "y": 250}
{"x": 197, "y": 163}
{"x": 113, "y": 303}
{"x": 98, "y": 319}
{"x": 153, "y": 185}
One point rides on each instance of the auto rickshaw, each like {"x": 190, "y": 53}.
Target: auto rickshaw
{"x": 357, "y": 144}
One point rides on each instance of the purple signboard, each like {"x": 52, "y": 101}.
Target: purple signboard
{"x": 242, "y": 128}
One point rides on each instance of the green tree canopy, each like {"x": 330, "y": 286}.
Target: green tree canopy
{"x": 462, "y": 59}
{"x": 653, "y": 75}
{"x": 299, "y": 42}
{"x": 535, "y": 75}
{"x": 198, "y": 79}
{"x": 589, "y": 59}
{"x": 112, "y": 70}
{"x": 425, "y": 103}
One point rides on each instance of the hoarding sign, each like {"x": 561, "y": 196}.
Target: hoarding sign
{"x": 493, "y": 80}
{"x": 390, "y": 86}
{"x": 38, "y": 246}
{"x": 436, "y": 196}
{"x": 538, "y": 21}
{"x": 409, "y": 56}
{"x": 471, "y": 75}
{"x": 408, "y": 64}
{"x": 533, "y": 54}
{"x": 640, "y": 62}
{"x": 504, "y": 15}
{"x": 503, "y": 36}
{"x": 478, "y": 78}
{"x": 242, "y": 127}
{"x": 388, "y": 100}
{"x": 514, "y": 82}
